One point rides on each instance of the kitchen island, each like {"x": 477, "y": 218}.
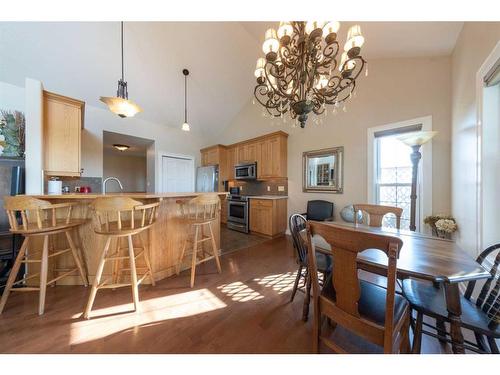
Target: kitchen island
{"x": 164, "y": 237}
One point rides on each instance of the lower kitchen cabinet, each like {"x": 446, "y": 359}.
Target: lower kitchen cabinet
{"x": 268, "y": 216}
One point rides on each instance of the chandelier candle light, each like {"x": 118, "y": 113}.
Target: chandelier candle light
{"x": 120, "y": 104}
{"x": 300, "y": 73}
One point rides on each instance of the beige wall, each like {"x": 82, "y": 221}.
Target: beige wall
{"x": 130, "y": 170}
{"x": 474, "y": 44}
{"x": 395, "y": 90}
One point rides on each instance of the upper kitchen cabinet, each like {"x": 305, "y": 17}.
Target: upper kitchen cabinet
{"x": 62, "y": 127}
{"x": 269, "y": 151}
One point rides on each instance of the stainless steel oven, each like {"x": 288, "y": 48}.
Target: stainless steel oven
{"x": 237, "y": 213}
{"x": 245, "y": 171}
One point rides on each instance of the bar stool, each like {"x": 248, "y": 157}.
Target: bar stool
{"x": 110, "y": 220}
{"x": 197, "y": 214}
{"x": 40, "y": 218}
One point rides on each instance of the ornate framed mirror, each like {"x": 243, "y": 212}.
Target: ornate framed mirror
{"x": 323, "y": 170}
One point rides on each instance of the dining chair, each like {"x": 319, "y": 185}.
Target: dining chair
{"x": 376, "y": 213}
{"x": 480, "y": 307}
{"x": 297, "y": 224}
{"x": 376, "y": 314}
{"x": 319, "y": 210}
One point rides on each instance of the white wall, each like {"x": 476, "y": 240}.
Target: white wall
{"x": 11, "y": 97}
{"x": 34, "y": 136}
{"x": 167, "y": 139}
{"x": 395, "y": 90}
{"x": 129, "y": 169}
{"x": 475, "y": 42}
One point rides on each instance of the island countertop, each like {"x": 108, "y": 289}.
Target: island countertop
{"x": 130, "y": 195}
{"x": 164, "y": 239}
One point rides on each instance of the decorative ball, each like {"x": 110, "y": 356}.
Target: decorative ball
{"x": 347, "y": 214}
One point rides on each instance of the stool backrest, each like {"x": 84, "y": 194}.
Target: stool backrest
{"x": 202, "y": 207}
{"x": 297, "y": 225}
{"x": 120, "y": 213}
{"x": 376, "y": 213}
{"x": 28, "y": 213}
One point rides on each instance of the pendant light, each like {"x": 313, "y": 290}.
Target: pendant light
{"x": 185, "y": 125}
{"x": 120, "y": 104}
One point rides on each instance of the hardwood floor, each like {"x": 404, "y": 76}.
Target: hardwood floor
{"x": 245, "y": 309}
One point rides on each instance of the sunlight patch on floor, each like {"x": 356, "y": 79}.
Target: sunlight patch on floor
{"x": 280, "y": 283}
{"x": 240, "y": 292}
{"x": 110, "y": 320}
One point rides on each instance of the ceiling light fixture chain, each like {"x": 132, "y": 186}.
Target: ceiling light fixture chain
{"x": 300, "y": 73}
{"x": 185, "y": 126}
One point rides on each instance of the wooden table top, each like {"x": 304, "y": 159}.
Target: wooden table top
{"x": 421, "y": 256}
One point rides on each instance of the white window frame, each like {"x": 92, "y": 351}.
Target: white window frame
{"x": 424, "y": 169}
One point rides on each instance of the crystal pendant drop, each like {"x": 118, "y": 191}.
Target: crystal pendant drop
{"x": 253, "y": 101}
{"x": 344, "y": 108}
{"x": 366, "y": 71}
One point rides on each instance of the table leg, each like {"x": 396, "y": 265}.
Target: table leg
{"x": 454, "y": 308}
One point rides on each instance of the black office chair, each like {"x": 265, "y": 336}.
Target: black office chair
{"x": 319, "y": 210}
{"x": 324, "y": 262}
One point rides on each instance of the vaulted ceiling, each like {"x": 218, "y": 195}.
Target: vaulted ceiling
{"x": 82, "y": 60}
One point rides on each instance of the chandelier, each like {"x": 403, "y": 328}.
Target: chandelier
{"x": 300, "y": 73}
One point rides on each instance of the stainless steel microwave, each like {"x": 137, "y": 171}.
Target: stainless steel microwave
{"x": 245, "y": 171}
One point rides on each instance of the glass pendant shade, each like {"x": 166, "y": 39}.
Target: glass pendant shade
{"x": 354, "y": 38}
{"x": 322, "y": 82}
{"x": 285, "y": 28}
{"x": 417, "y": 138}
{"x": 120, "y": 106}
{"x": 350, "y": 64}
{"x": 186, "y": 127}
{"x": 271, "y": 43}
{"x": 259, "y": 68}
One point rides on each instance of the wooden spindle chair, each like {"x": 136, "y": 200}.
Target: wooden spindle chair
{"x": 376, "y": 314}
{"x": 118, "y": 218}
{"x": 197, "y": 214}
{"x": 480, "y": 307}
{"x": 376, "y": 214}
{"x": 31, "y": 217}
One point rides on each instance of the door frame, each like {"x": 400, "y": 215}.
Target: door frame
{"x": 485, "y": 68}
{"x": 159, "y": 162}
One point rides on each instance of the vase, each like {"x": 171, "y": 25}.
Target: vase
{"x": 443, "y": 234}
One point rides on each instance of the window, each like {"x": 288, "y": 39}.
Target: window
{"x": 393, "y": 173}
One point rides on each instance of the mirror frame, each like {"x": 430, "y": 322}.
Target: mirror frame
{"x": 338, "y": 152}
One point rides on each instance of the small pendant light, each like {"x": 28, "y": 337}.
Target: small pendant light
{"x": 120, "y": 104}
{"x": 185, "y": 125}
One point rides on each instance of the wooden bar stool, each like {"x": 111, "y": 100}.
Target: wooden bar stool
{"x": 197, "y": 214}
{"x": 117, "y": 218}
{"x": 40, "y": 218}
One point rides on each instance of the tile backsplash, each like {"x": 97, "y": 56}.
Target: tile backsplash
{"x": 271, "y": 187}
{"x": 95, "y": 183}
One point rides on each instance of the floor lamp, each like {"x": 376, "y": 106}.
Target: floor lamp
{"x": 415, "y": 141}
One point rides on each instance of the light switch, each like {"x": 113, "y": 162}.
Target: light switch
{"x": 281, "y": 188}
{"x": 269, "y": 188}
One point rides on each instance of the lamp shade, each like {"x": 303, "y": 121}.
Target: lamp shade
{"x": 271, "y": 43}
{"x": 417, "y": 138}
{"x": 354, "y": 38}
{"x": 350, "y": 63}
{"x": 122, "y": 107}
{"x": 313, "y": 25}
{"x": 331, "y": 27}
{"x": 285, "y": 29}
{"x": 259, "y": 68}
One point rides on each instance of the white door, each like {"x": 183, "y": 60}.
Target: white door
{"x": 177, "y": 174}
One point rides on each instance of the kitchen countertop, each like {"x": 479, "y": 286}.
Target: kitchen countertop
{"x": 273, "y": 197}
{"x": 130, "y": 195}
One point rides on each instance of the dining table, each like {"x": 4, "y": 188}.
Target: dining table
{"x": 424, "y": 257}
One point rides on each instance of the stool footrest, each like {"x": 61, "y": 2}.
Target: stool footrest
{"x": 59, "y": 252}
{"x": 26, "y": 278}
{"x": 25, "y": 289}
{"x": 113, "y": 286}
{"x": 61, "y": 276}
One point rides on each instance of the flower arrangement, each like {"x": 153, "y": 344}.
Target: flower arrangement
{"x": 12, "y": 129}
{"x": 441, "y": 225}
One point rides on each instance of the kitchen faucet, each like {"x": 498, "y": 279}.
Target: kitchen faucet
{"x": 106, "y": 180}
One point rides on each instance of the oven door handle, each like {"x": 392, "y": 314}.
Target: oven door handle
{"x": 238, "y": 203}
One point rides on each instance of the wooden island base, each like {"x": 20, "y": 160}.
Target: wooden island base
{"x": 164, "y": 238}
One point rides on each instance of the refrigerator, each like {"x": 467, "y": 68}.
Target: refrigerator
{"x": 207, "y": 179}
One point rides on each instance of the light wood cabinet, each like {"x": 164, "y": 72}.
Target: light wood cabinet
{"x": 268, "y": 216}
{"x": 223, "y": 209}
{"x": 217, "y": 155}
{"x": 63, "y": 119}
